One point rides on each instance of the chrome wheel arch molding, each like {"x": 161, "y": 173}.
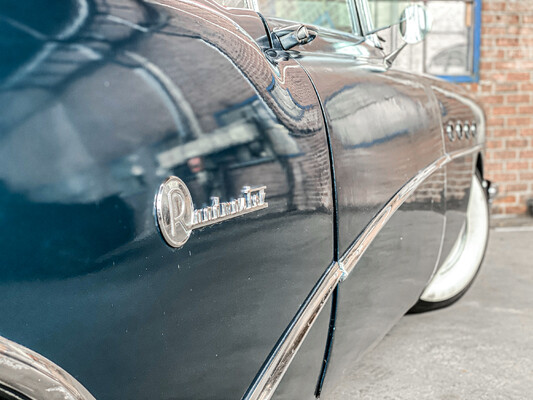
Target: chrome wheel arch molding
{"x": 34, "y": 376}
{"x": 285, "y": 350}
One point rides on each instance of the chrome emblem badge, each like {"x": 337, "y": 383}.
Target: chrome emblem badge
{"x": 176, "y": 216}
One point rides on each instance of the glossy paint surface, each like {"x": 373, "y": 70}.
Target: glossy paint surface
{"x": 457, "y": 107}
{"x": 384, "y": 127}
{"x": 382, "y": 132}
{"x": 101, "y": 102}
{"x": 107, "y": 100}
{"x": 368, "y": 306}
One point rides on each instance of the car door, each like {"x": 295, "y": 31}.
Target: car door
{"x": 385, "y": 136}
{"x": 94, "y": 119}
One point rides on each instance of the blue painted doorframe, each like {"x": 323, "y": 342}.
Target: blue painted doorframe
{"x": 474, "y": 76}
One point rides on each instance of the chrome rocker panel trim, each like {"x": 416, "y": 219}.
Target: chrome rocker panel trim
{"x": 281, "y": 357}
{"x": 276, "y": 365}
{"x": 350, "y": 259}
{"x": 36, "y": 377}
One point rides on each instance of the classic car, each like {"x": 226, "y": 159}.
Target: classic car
{"x": 216, "y": 199}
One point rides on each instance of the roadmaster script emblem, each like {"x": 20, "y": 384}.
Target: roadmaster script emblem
{"x": 176, "y": 216}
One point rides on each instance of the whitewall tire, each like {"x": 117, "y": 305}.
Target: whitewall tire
{"x": 458, "y": 271}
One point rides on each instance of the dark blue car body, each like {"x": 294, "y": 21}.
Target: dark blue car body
{"x": 102, "y": 100}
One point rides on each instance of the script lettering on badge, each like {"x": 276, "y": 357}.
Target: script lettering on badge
{"x": 176, "y": 216}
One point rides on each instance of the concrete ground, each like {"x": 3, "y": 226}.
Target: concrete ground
{"x": 479, "y": 348}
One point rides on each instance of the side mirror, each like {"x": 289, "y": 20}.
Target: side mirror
{"x": 415, "y": 24}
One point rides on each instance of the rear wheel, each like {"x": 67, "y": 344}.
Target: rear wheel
{"x": 460, "y": 268}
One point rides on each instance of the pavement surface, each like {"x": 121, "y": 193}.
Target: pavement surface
{"x": 479, "y": 348}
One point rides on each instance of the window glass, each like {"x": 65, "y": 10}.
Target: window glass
{"x": 234, "y": 3}
{"x": 386, "y": 12}
{"x": 331, "y": 14}
{"x": 450, "y": 44}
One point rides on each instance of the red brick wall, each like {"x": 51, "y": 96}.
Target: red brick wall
{"x": 506, "y": 91}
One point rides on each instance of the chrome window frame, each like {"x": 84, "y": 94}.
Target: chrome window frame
{"x": 365, "y": 16}
{"x": 357, "y": 28}
{"x": 366, "y": 22}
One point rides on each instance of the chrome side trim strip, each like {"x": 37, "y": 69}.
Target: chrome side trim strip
{"x": 281, "y": 357}
{"x": 36, "y": 377}
{"x": 350, "y": 259}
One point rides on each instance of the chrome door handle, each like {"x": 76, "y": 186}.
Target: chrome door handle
{"x": 295, "y": 35}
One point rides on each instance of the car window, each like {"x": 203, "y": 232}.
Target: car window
{"x": 331, "y": 14}
{"x": 236, "y": 3}
{"x": 386, "y": 12}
